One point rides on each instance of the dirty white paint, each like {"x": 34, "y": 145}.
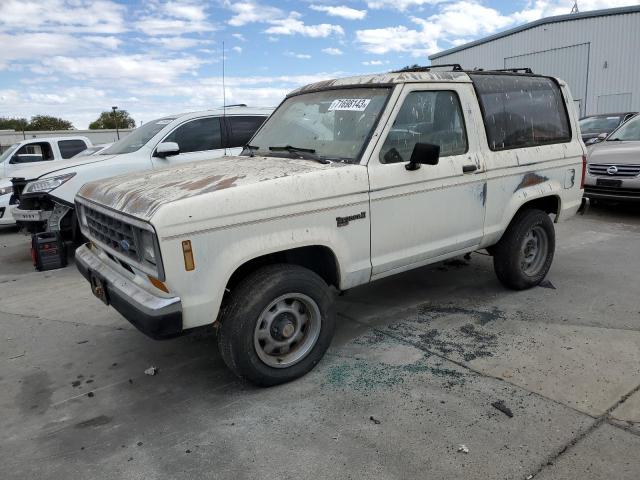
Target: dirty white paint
{"x": 239, "y": 208}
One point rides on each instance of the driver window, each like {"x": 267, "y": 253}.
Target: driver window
{"x": 197, "y": 135}
{"x": 426, "y": 117}
{"x": 33, "y": 152}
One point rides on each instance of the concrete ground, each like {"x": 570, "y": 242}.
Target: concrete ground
{"x": 417, "y": 362}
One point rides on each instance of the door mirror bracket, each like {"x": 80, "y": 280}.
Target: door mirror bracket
{"x": 423, "y": 154}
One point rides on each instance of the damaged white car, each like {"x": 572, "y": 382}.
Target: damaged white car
{"x": 349, "y": 181}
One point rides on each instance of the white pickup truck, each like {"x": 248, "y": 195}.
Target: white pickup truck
{"x": 46, "y": 193}
{"x": 349, "y": 181}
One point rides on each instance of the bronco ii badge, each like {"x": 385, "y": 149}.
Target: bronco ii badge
{"x": 344, "y": 221}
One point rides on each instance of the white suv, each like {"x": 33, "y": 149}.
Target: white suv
{"x": 46, "y": 193}
{"x": 349, "y": 181}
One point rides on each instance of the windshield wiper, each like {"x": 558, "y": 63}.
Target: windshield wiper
{"x": 291, "y": 149}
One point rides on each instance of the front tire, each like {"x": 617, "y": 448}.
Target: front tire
{"x": 523, "y": 256}
{"x": 277, "y": 325}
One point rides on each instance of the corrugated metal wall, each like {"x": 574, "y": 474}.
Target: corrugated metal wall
{"x": 598, "y": 57}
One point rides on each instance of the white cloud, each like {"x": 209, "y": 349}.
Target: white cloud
{"x": 468, "y": 18}
{"x": 251, "y": 12}
{"x": 302, "y": 56}
{"x": 239, "y": 36}
{"x": 340, "y": 11}
{"x": 125, "y": 69}
{"x": 373, "y": 62}
{"x": 401, "y": 5}
{"x": 292, "y": 25}
{"x": 175, "y": 43}
{"x": 187, "y": 10}
{"x": 237, "y": 49}
{"x": 62, "y": 16}
{"x": 174, "y": 18}
{"x": 332, "y": 51}
{"x": 109, "y": 42}
{"x": 399, "y": 39}
{"x": 32, "y": 46}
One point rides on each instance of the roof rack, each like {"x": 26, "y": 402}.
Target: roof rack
{"x": 455, "y": 67}
{"x": 513, "y": 70}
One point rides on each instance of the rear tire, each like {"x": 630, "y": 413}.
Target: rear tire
{"x": 523, "y": 256}
{"x": 277, "y": 325}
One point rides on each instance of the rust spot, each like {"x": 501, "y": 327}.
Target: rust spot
{"x": 202, "y": 182}
{"x": 222, "y": 184}
{"x": 530, "y": 179}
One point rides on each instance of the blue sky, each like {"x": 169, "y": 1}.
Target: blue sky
{"x": 75, "y": 58}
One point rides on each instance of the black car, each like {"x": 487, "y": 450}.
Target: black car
{"x": 594, "y": 125}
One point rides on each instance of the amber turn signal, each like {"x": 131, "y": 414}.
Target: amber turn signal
{"x": 158, "y": 284}
{"x": 189, "y": 264}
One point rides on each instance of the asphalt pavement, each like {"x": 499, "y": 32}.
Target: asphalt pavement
{"x": 437, "y": 373}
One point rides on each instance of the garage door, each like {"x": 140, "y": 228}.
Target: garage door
{"x": 568, "y": 63}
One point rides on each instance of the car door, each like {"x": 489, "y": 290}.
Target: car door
{"x": 418, "y": 216}
{"x": 198, "y": 139}
{"x": 30, "y": 154}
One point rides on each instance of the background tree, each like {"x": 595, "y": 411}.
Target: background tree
{"x": 17, "y": 124}
{"x": 408, "y": 67}
{"x": 47, "y": 122}
{"x": 107, "y": 120}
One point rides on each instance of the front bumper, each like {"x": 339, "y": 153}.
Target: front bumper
{"x": 156, "y": 316}
{"x": 618, "y": 194}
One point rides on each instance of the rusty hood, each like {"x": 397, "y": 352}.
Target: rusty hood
{"x": 142, "y": 194}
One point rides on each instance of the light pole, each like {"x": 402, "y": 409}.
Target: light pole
{"x": 115, "y": 119}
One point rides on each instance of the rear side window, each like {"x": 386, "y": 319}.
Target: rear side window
{"x": 241, "y": 129}
{"x": 521, "y": 111}
{"x": 197, "y": 135}
{"x": 70, "y": 148}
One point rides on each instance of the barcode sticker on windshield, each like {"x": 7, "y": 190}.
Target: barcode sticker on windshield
{"x": 352, "y": 104}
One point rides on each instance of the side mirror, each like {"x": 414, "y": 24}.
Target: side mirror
{"x": 602, "y": 136}
{"x": 423, "y": 154}
{"x": 167, "y": 149}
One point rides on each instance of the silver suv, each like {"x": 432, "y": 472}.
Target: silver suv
{"x": 613, "y": 169}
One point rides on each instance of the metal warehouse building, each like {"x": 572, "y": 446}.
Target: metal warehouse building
{"x": 597, "y": 53}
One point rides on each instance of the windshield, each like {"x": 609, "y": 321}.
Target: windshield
{"x": 599, "y": 124}
{"x": 332, "y": 124}
{"x": 139, "y": 137}
{"x": 8, "y": 152}
{"x": 629, "y": 131}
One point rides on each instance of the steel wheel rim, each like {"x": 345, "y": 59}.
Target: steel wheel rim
{"x": 287, "y": 330}
{"x": 534, "y": 251}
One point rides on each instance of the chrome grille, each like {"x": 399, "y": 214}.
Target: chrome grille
{"x": 620, "y": 170}
{"x": 112, "y": 232}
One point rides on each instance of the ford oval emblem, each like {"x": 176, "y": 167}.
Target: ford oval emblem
{"x": 124, "y": 245}
{"x": 612, "y": 170}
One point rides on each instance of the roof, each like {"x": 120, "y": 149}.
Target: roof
{"x": 384, "y": 79}
{"x": 543, "y": 21}
{"x": 229, "y": 111}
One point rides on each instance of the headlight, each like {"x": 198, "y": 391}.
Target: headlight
{"x": 5, "y": 190}
{"x": 148, "y": 246}
{"x": 47, "y": 184}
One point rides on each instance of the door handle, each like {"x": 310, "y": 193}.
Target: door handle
{"x": 469, "y": 168}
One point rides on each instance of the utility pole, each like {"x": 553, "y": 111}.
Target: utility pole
{"x": 115, "y": 119}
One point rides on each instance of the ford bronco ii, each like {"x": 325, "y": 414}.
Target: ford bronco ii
{"x": 349, "y": 181}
